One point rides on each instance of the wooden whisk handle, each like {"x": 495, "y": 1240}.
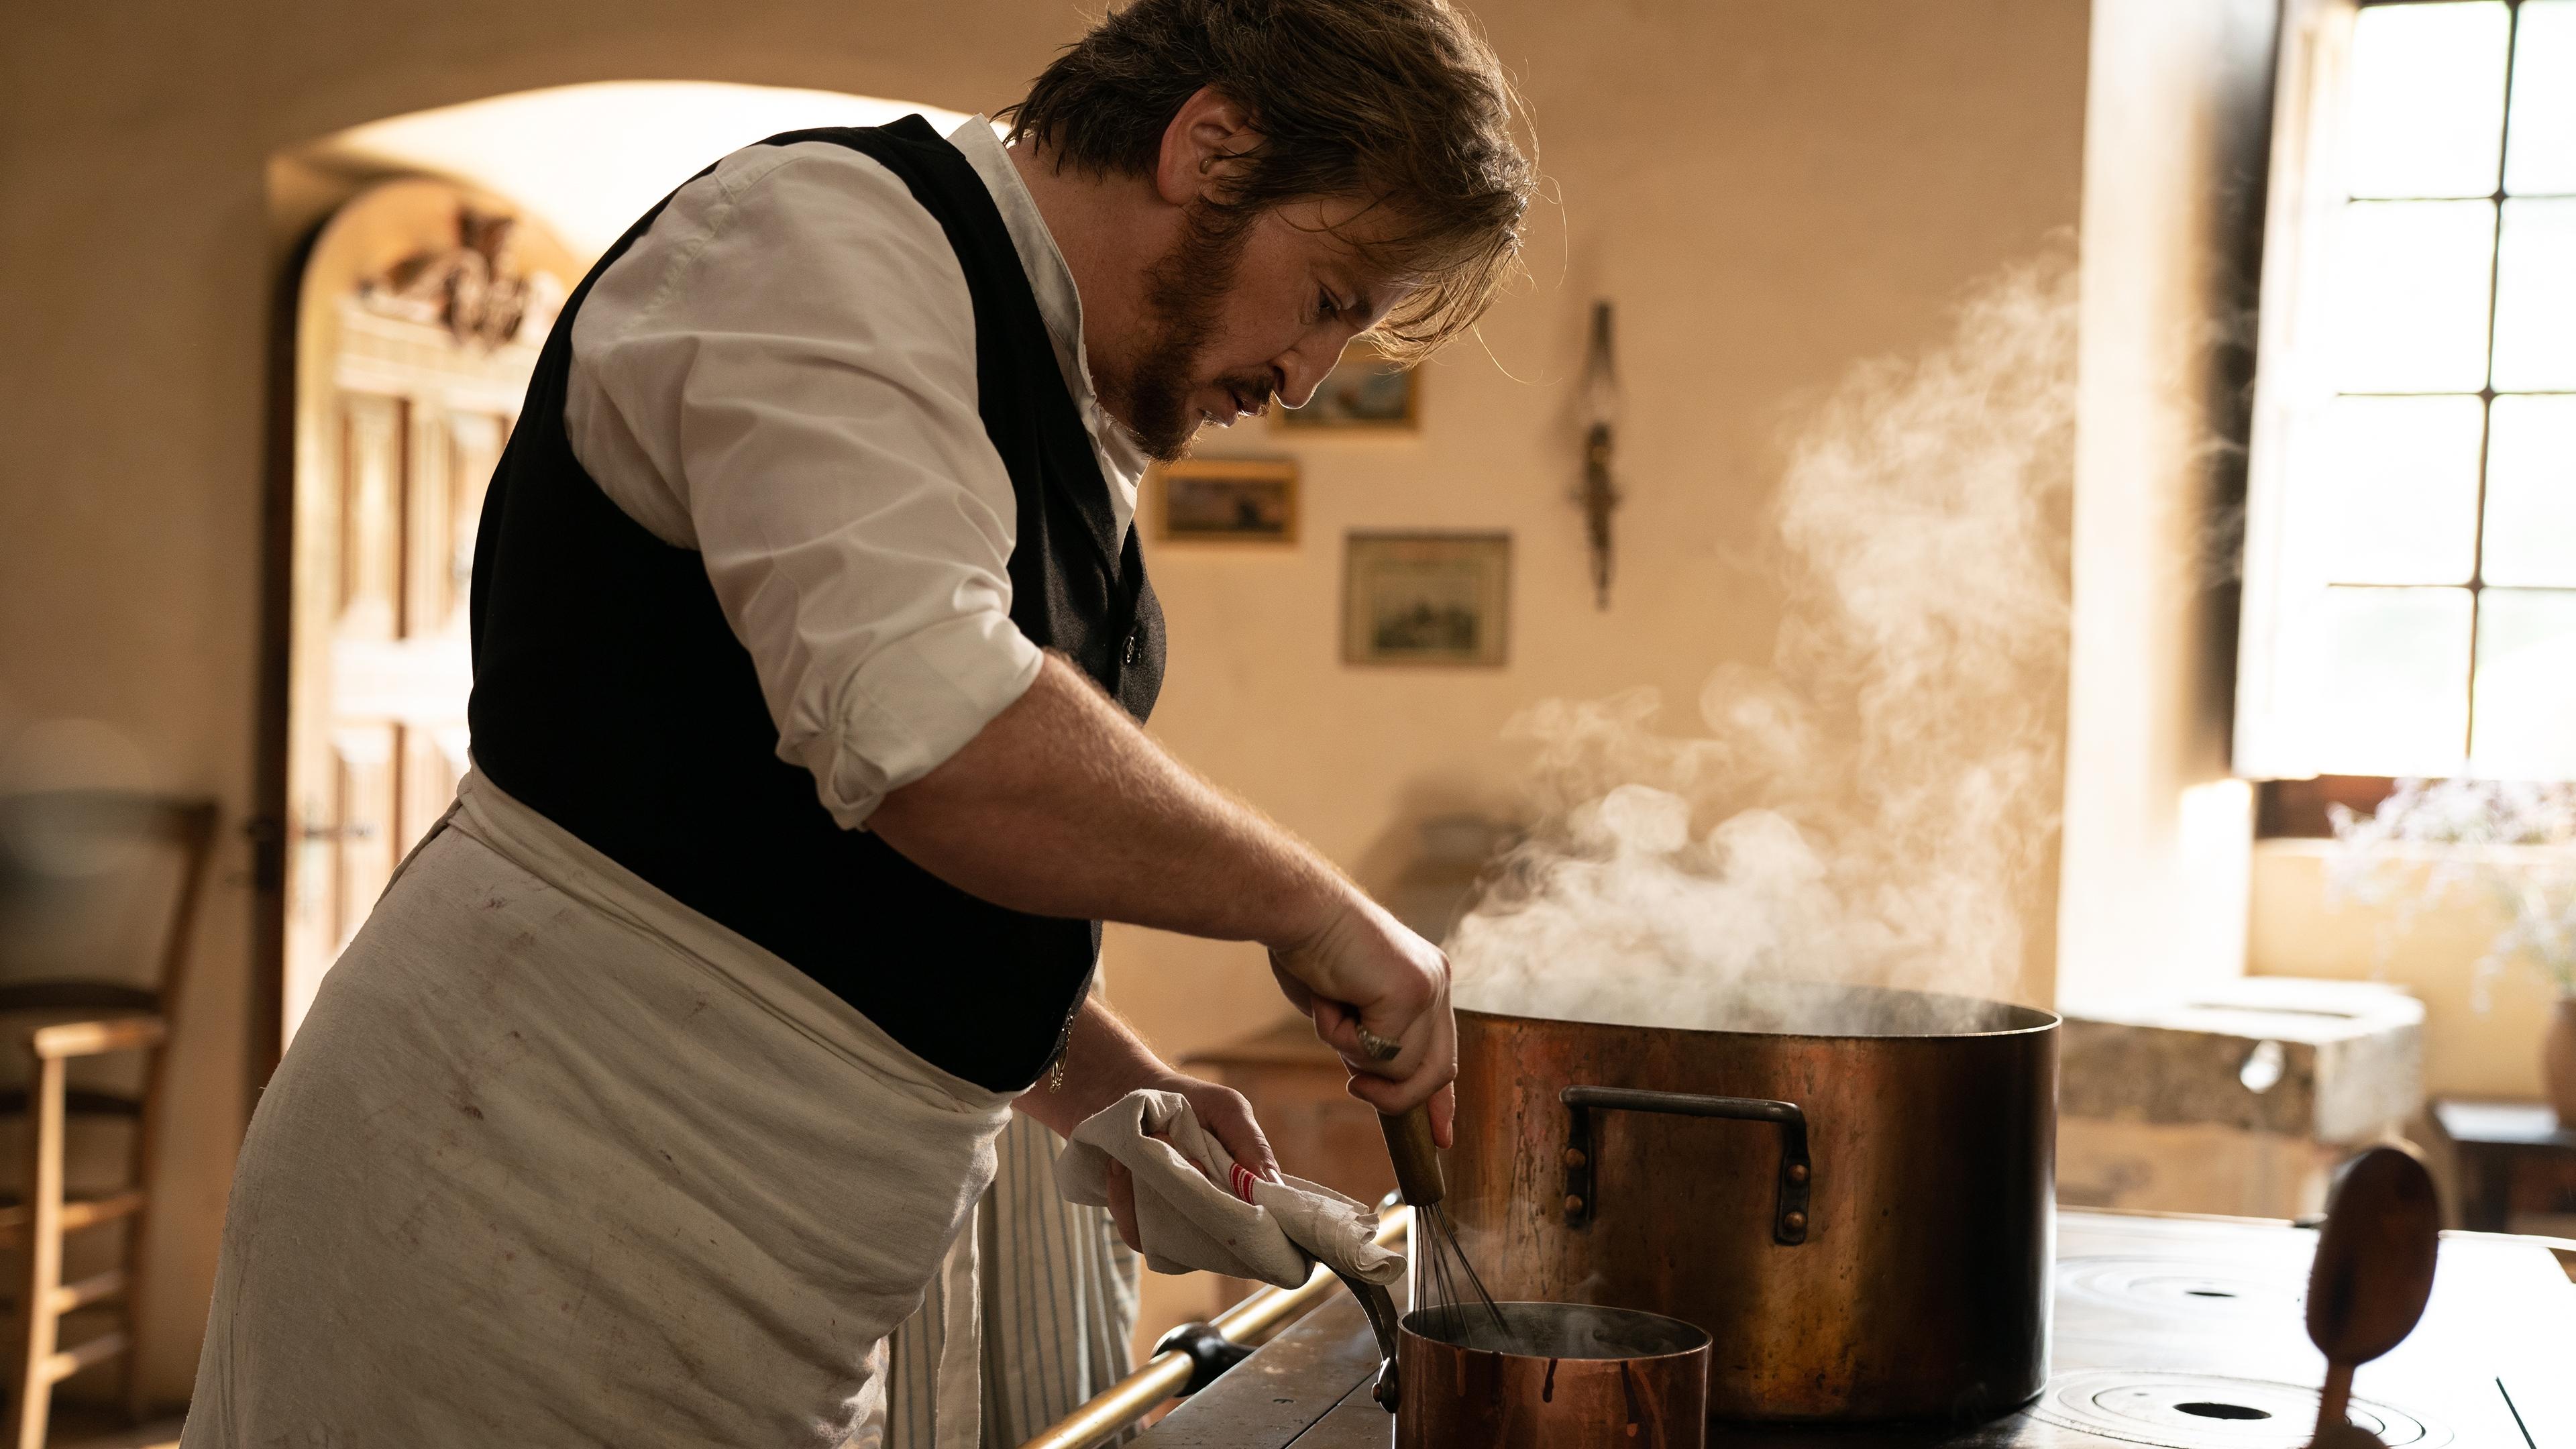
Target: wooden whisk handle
{"x": 1416, "y": 1159}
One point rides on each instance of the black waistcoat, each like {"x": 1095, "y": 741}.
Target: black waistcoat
{"x": 611, "y": 696}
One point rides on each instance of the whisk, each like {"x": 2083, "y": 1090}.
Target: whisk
{"x": 1445, "y": 1283}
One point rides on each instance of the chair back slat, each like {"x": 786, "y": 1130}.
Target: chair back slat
{"x": 99, "y": 888}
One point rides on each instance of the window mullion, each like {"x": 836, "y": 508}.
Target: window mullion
{"x": 2486, "y": 394}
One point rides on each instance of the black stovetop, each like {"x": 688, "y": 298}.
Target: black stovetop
{"x": 2170, "y": 1331}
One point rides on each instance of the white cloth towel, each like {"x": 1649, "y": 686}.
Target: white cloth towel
{"x": 1273, "y": 1231}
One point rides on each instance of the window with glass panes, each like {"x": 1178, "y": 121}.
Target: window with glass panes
{"x": 2433, "y": 480}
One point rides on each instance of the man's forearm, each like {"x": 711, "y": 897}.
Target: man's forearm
{"x": 1062, "y": 806}
{"x": 1104, "y": 1060}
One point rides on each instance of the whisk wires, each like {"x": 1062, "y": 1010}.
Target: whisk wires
{"x": 1453, "y": 1294}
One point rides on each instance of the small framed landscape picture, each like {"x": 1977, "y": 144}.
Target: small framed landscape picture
{"x": 1229, "y": 500}
{"x": 1364, "y": 393}
{"x": 1426, "y": 598}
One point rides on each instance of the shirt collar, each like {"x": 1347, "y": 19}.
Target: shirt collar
{"x": 1059, "y": 303}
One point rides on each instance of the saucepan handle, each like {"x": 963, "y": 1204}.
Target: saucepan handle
{"x": 1582, "y": 1191}
{"x": 1379, "y": 1305}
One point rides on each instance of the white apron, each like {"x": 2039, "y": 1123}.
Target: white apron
{"x": 555, "y": 1160}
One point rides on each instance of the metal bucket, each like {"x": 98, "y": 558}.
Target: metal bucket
{"x": 1854, "y": 1199}
{"x": 1554, "y": 1376}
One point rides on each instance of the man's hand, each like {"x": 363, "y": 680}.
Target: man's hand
{"x": 1104, "y": 1060}
{"x": 1223, "y": 1112}
{"x": 1379, "y": 996}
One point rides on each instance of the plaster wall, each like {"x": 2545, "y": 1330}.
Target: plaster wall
{"x": 1769, "y": 192}
{"x": 2178, "y": 121}
{"x": 1769, "y": 195}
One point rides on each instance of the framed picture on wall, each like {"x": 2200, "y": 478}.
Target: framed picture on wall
{"x": 1364, "y": 393}
{"x": 1426, "y": 598}
{"x": 1228, "y": 500}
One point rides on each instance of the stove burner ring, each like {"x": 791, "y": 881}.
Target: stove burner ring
{"x": 2182, "y": 1288}
{"x": 2207, "y": 1411}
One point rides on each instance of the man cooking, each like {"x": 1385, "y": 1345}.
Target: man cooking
{"x": 812, "y": 642}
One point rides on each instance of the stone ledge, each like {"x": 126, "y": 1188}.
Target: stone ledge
{"x": 2325, "y": 1061}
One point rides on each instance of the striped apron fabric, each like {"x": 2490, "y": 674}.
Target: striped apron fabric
{"x": 556, "y": 1161}
{"x": 1050, "y": 1302}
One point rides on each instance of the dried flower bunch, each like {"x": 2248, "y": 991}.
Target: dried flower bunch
{"x": 2515, "y": 841}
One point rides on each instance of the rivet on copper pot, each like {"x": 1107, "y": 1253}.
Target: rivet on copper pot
{"x": 1574, "y": 1157}
{"x": 1797, "y": 1172}
{"x": 1573, "y": 1204}
{"x": 1794, "y": 1222}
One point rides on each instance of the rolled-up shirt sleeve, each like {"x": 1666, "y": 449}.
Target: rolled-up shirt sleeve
{"x": 781, "y": 374}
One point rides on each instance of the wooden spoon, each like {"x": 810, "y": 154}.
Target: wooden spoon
{"x": 2374, "y": 1269}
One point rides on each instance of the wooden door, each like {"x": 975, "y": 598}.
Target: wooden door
{"x": 403, "y": 408}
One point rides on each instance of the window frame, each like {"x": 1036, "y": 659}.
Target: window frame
{"x": 2307, "y": 190}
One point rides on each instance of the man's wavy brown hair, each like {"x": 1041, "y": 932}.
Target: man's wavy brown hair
{"x": 1399, "y": 102}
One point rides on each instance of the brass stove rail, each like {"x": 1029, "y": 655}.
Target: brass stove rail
{"x": 1169, "y": 1372}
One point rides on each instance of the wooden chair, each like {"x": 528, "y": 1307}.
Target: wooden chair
{"x": 66, "y": 1014}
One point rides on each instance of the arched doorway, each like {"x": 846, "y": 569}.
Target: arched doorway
{"x": 401, "y": 404}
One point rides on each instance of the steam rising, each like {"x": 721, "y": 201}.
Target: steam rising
{"x": 1872, "y": 809}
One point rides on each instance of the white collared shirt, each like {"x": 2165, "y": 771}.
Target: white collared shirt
{"x": 780, "y": 374}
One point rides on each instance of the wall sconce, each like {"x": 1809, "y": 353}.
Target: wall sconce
{"x": 1598, "y": 495}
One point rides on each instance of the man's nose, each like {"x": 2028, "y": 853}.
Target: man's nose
{"x": 1300, "y": 370}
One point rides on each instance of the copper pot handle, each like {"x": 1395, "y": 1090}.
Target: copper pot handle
{"x": 1582, "y": 1196}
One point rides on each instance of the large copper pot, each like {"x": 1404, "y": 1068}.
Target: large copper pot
{"x": 1854, "y": 1198}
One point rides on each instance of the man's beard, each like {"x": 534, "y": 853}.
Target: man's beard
{"x": 1184, "y": 291}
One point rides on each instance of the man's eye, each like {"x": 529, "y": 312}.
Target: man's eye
{"x": 1325, "y": 307}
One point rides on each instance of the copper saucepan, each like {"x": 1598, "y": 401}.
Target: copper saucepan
{"x": 1551, "y": 1376}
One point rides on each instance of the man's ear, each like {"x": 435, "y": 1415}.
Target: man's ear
{"x": 1201, "y": 146}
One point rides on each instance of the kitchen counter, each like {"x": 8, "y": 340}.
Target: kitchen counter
{"x": 2170, "y": 1331}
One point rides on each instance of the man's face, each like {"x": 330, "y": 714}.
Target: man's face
{"x": 1239, "y": 312}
